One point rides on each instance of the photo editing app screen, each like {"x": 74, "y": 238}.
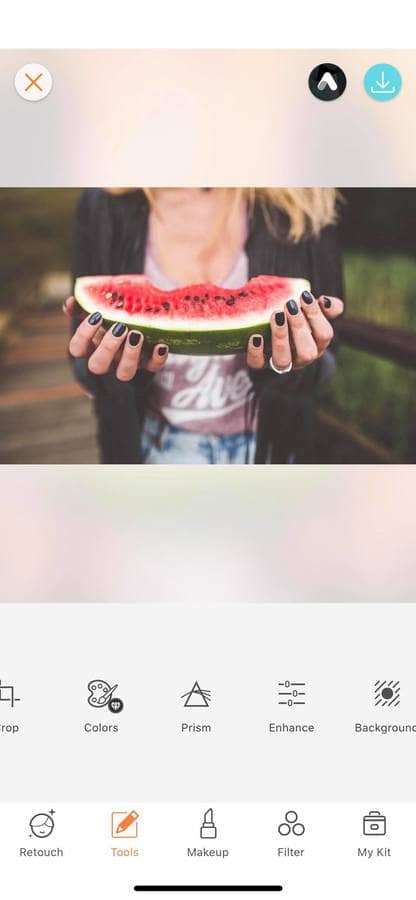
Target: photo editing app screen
{"x": 207, "y": 480}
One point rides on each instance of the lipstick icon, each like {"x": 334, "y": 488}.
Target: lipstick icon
{"x": 208, "y": 827}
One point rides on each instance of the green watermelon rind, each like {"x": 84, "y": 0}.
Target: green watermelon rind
{"x": 193, "y": 342}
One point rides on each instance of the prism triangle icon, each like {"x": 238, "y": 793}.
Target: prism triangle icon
{"x": 196, "y": 696}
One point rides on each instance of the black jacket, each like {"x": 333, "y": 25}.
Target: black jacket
{"x": 110, "y": 238}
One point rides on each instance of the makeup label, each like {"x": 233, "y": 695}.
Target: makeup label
{"x": 204, "y": 852}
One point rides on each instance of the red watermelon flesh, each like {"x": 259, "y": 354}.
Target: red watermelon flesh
{"x": 196, "y": 319}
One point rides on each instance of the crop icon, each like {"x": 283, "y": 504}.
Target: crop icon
{"x": 8, "y": 694}
{"x": 196, "y": 696}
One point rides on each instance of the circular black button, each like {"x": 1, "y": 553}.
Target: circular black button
{"x": 115, "y": 705}
{"x": 327, "y": 81}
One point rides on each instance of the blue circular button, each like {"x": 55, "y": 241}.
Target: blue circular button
{"x": 383, "y": 82}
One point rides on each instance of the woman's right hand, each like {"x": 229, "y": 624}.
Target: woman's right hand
{"x": 118, "y": 347}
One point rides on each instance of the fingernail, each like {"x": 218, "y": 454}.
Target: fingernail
{"x": 162, "y": 351}
{"x": 256, "y": 341}
{"x": 327, "y": 302}
{"x": 95, "y": 318}
{"x": 134, "y": 338}
{"x": 307, "y": 297}
{"x": 279, "y": 318}
{"x": 292, "y": 307}
{"x": 119, "y": 329}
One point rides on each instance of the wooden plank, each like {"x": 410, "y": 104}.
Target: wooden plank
{"x": 29, "y": 396}
{"x": 36, "y": 375}
{"x": 339, "y": 442}
{"x": 33, "y": 349}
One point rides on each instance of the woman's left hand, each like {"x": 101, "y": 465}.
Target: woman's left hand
{"x": 300, "y": 333}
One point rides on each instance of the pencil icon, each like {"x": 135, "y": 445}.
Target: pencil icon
{"x": 125, "y": 823}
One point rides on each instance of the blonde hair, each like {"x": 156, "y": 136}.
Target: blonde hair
{"x": 308, "y": 210}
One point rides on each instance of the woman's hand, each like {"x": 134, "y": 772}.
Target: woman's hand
{"x": 300, "y": 333}
{"x": 118, "y": 346}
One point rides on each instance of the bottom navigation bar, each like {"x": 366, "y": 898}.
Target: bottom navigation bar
{"x": 112, "y": 850}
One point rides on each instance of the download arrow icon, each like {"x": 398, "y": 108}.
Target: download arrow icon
{"x": 383, "y": 83}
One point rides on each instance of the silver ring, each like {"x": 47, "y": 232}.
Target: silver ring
{"x": 280, "y": 371}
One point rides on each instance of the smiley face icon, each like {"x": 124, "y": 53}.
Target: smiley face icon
{"x": 42, "y": 824}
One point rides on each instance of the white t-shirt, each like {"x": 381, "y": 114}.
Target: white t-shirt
{"x": 204, "y": 394}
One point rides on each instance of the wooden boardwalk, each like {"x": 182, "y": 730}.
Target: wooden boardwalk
{"x": 44, "y": 415}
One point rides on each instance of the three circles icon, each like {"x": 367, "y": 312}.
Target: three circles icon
{"x": 291, "y": 825}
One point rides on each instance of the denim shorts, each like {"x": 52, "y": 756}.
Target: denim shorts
{"x": 164, "y": 444}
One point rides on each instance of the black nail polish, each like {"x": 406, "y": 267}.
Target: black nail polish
{"x": 134, "y": 338}
{"x": 292, "y": 307}
{"x": 256, "y": 341}
{"x": 94, "y": 318}
{"x": 327, "y": 302}
{"x": 162, "y": 351}
{"x": 307, "y": 297}
{"x": 119, "y": 329}
{"x": 279, "y": 318}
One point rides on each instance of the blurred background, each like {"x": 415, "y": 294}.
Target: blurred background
{"x": 367, "y": 416}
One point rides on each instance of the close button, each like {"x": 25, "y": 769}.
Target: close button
{"x": 33, "y": 82}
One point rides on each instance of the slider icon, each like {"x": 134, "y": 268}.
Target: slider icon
{"x": 208, "y": 827}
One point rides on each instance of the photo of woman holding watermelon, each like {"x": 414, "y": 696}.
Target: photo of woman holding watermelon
{"x": 257, "y": 406}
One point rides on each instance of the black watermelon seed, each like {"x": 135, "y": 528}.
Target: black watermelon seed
{"x": 243, "y": 294}
{"x": 166, "y": 305}
{"x": 187, "y": 297}
{"x": 114, "y": 295}
{"x": 231, "y": 301}
{"x": 196, "y": 297}
{"x": 206, "y": 296}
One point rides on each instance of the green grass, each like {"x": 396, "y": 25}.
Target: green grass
{"x": 376, "y": 396}
{"x": 36, "y": 233}
{"x": 381, "y": 288}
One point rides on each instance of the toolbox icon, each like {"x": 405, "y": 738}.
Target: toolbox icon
{"x": 374, "y": 824}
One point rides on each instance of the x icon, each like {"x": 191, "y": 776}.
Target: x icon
{"x": 33, "y": 82}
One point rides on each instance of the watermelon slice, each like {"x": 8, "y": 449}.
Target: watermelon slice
{"x": 198, "y": 319}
